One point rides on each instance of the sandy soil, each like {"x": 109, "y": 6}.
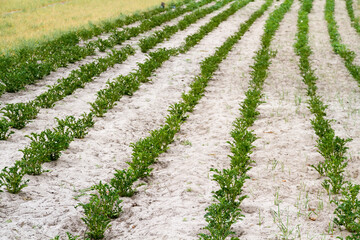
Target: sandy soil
{"x": 171, "y": 202}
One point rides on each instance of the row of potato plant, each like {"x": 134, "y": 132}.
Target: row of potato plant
{"x": 146, "y": 150}
{"x": 44, "y": 147}
{"x": 130, "y": 83}
{"x": 48, "y": 145}
{"x": 226, "y": 211}
{"x": 330, "y": 146}
{"x": 336, "y": 42}
{"x": 30, "y": 64}
{"x": 164, "y": 34}
{"x": 354, "y": 20}
{"x": 81, "y": 125}
{"x": 17, "y": 115}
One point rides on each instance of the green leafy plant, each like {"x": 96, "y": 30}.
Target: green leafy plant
{"x": 78, "y": 127}
{"x": 123, "y": 181}
{"x": 226, "y": 210}
{"x": 19, "y": 114}
{"x": 49, "y": 143}
{"x": 95, "y": 218}
{"x": 69, "y": 236}
{"x": 348, "y": 209}
{"x": 110, "y": 199}
{"x": 27, "y": 64}
{"x": 220, "y": 217}
{"x": 12, "y": 178}
{"x": 32, "y": 161}
{"x": 5, "y": 129}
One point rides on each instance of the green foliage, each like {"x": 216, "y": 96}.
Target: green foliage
{"x": 32, "y": 160}
{"x": 95, "y": 218}
{"x": 101, "y": 208}
{"x": 220, "y": 217}
{"x": 12, "y": 178}
{"x": 69, "y": 236}
{"x": 331, "y": 147}
{"x": 226, "y": 211}
{"x": 348, "y": 209}
{"x": 164, "y": 34}
{"x": 5, "y": 129}
{"x": 28, "y": 64}
{"x": 2, "y": 88}
{"x": 335, "y": 38}
{"x": 354, "y": 21}
{"x": 123, "y": 181}
{"x": 77, "y": 127}
{"x": 195, "y": 38}
{"x": 126, "y": 85}
{"x": 118, "y": 37}
{"x": 146, "y": 150}
{"x": 20, "y": 114}
{"x": 110, "y": 199}
{"x": 47, "y": 145}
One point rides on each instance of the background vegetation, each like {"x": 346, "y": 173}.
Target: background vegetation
{"x": 23, "y": 20}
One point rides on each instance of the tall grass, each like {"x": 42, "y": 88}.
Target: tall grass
{"x": 21, "y": 21}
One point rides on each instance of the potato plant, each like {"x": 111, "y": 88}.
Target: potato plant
{"x": 12, "y": 178}
{"x": 354, "y": 20}
{"x": 77, "y": 127}
{"x": 348, "y": 209}
{"x": 5, "y": 131}
{"x": 19, "y": 114}
{"x": 49, "y": 143}
{"x": 102, "y": 207}
{"x": 146, "y": 150}
{"x": 194, "y": 39}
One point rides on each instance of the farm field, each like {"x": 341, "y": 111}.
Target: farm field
{"x": 209, "y": 119}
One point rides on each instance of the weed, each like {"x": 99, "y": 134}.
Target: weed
{"x": 286, "y": 230}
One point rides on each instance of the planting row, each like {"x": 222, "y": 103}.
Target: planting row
{"x": 331, "y": 147}
{"x": 336, "y": 42}
{"x": 354, "y": 21}
{"x": 226, "y": 210}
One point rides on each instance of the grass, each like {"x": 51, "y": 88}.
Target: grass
{"x": 34, "y": 20}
